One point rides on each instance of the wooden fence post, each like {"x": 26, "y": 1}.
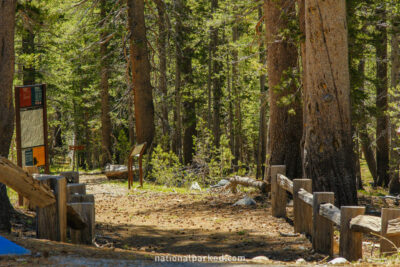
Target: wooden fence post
{"x": 385, "y": 246}
{"x": 73, "y": 189}
{"x": 322, "y": 237}
{"x": 278, "y": 195}
{"x": 302, "y": 212}
{"x": 87, "y": 212}
{"x": 52, "y": 220}
{"x": 72, "y": 177}
{"x": 350, "y": 242}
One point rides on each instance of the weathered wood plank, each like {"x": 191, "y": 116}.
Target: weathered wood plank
{"x": 23, "y": 183}
{"x": 285, "y": 183}
{"x": 77, "y": 198}
{"x": 393, "y": 228}
{"x": 330, "y": 212}
{"x": 386, "y": 246}
{"x": 306, "y": 196}
{"x": 366, "y": 224}
{"x": 74, "y": 219}
{"x": 73, "y": 189}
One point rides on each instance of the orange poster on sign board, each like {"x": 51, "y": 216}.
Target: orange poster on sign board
{"x": 39, "y": 156}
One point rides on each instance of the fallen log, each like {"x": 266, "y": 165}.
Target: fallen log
{"x": 246, "y": 181}
{"x": 16, "y": 178}
{"x": 330, "y": 212}
{"x": 117, "y": 171}
{"x": 366, "y": 224}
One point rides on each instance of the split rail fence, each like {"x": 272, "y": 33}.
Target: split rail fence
{"x": 316, "y": 215}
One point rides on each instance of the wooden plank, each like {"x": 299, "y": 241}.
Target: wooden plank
{"x": 16, "y": 178}
{"x": 54, "y": 215}
{"x": 87, "y": 212}
{"x": 322, "y": 239}
{"x": 387, "y": 247}
{"x": 393, "y": 228}
{"x": 350, "y": 241}
{"x": 278, "y": 195}
{"x": 285, "y": 183}
{"x": 74, "y": 219}
{"x": 330, "y": 212}
{"x": 306, "y": 197}
{"x": 366, "y": 224}
{"x": 77, "y": 198}
{"x": 302, "y": 211}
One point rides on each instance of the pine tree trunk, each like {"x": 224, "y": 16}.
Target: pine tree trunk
{"x": 394, "y": 185}
{"x": 28, "y": 47}
{"x": 285, "y": 128}
{"x": 7, "y": 25}
{"x": 139, "y": 56}
{"x": 162, "y": 51}
{"x": 177, "y": 142}
{"x": 382, "y": 120}
{"x": 302, "y": 24}
{"x": 105, "y": 96}
{"x": 328, "y": 154}
{"x": 216, "y": 81}
{"x": 236, "y": 96}
{"x": 262, "y": 133}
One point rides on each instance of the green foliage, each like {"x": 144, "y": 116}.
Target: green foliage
{"x": 166, "y": 168}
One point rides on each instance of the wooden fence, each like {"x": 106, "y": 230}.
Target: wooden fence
{"x": 316, "y": 215}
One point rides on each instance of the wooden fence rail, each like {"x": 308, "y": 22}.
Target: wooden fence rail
{"x": 316, "y": 215}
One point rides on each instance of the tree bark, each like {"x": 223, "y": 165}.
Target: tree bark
{"x": 394, "y": 185}
{"x": 236, "y": 96}
{"x": 262, "y": 133}
{"x": 285, "y": 129}
{"x": 139, "y": 56}
{"x": 382, "y": 120}
{"x": 162, "y": 51}
{"x": 177, "y": 142}
{"x": 216, "y": 81}
{"x": 106, "y": 144}
{"x": 328, "y": 154}
{"x": 7, "y": 25}
{"x": 302, "y": 25}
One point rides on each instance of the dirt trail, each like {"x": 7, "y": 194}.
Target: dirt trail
{"x": 133, "y": 227}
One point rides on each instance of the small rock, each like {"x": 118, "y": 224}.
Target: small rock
{"x": 301, "y": 248}
{"x": 339, "y": 260}
{"x": 195, "y": 186}
{"x": 221, "y": 183}
{"x": 300, "y": 261}
{"x": 246, "y": 201}
{"x": 260, "y": 259}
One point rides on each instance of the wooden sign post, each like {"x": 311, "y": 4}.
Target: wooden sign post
{"x": 31, "y": 127}
{"x": 137, "y": 151}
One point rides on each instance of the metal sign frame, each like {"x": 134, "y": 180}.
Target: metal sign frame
{"x": 18, "y": 124}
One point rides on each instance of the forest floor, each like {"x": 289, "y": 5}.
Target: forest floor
{"x": 135, "y": 226}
